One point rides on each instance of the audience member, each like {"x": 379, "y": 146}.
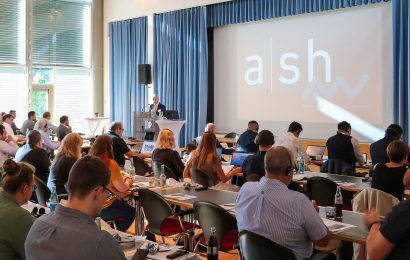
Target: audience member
{"x": 13, "y": 125}
{"x": 120, "y": 147}
{"x": 114, "y": 208}
{"x": 1, "y": 116}
{"x": 34, "y": 154}
{"x": 64, "y": 128}
{"x": 42, "y": 127}
{"x": 70, "y": 232}
{"x": 164, "y": 152}
{"x": 51, "y": 127}
{"x": 15, "y": 222}
{"x": 389, "y": 239}
{"x": 206, "y": 159}
{"x": 156, "y": 106}
{"x": 210, "y": 127}
{"x": 292, "y": 142}
{"x": 7, "y": 146}
{"x": 270, "y": 209}
{"x": 378, "y": 149}
{"x": 246, "y": 141}
{"x": 68, "y": 153}
{"x": 7, "y": 122}
{"x": 392, "y": 177}
{"x": 28, "y": 125}
{"x": 344, "y": 147}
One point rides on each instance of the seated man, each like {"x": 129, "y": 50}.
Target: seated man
{"x": 28, "y": 125}
{"x": 42, "y": 127}
{"x": 7, "y": 123}
{"x": 270, "y": 209}
{"x": 210, "y": 127}
{"x": 246, "y": 142}
{"x": 389, "y": 239}
{"x": 344, "y": 147}
{"x": 64, "y": 128}
{"x": 16, "y": 130}
{"x": 378, "y": 149}
{"x": 70, "y": 232}
{"x": 120, "y": 147}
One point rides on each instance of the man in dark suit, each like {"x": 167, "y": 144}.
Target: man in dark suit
{"x": 378, "y": 148}
{"x": 246, "y": 142}
{"x": 156, "y": 106}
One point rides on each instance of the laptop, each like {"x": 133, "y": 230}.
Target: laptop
{"x": 315, "y": 151}
{"x": 148, "y": 147}
{"x": 219, "y": 152}
{"x": 239, "y": 158}
{"x": 172, "y": 114}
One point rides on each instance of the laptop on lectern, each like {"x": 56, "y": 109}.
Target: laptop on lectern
{"x": 172, "y": 114}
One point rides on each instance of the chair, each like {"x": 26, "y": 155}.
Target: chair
{"x": 200, "y": 177}
{"x": 162, "y": 220}
{"x": 337, "y": 166}
{"x": 43, "y": 193}
{"x": 255, "y": 247}
{"x": 156, "y": 168}
{"x": 321, "y": 190}
{"x": 210, "y": 215}
{"x": 230, "y": 135}
{"x": 141, "y": 167}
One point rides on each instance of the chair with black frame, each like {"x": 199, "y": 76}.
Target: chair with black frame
{"x": 141, "y": 167}
{"x": 162, "y": 220}
{"x": 257, "y": 247}
{"x": 252, "y": 177}
{"x": 322, "y": 190}
{"x": 43, "y": 193}
{"x": 200, "y": 177}
{"x": 230, "y": 135}
{"x": 210, "y": 215}
{"x": 337, "y": 166}
{"x": 156, "y": 169}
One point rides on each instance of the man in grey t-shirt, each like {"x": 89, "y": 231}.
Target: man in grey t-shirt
{"x": 29, "y": 123}
{"x": 70, "y": 232}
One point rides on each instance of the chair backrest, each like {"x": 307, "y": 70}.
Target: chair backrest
{"x": 337, "y": 166}
{"x": 252, "y": 177}
{"x": 230, "y": 135}
{"x": 322, "y": 190}
{"x": 156, "y": 168}
{"x": 373, "y": 198}
{"x": 43, "y": 193}
{"x": 141, "y": 167}
{"x": 156, "y": 209}
{"x": 210, "y": 215}
{"x": 200, "y": 177}
{"x": 257, "y": 247}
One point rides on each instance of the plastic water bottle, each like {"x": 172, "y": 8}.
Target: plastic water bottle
{"x": 301, "y": 160}
{"x": 212, "y": 246}
{"x": 53, "y": 199}
{"x": 131, "y": 169}
{"x": 163, "y": 177}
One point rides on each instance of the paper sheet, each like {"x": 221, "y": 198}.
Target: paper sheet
{"x": 298, "y": 177}
{"x": 335, "y": 226}
{"x": 179, "y": 196}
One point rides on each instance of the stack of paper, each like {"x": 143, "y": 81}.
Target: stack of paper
{"x": 335, "y": 226}
{"x": 179, "y": 196}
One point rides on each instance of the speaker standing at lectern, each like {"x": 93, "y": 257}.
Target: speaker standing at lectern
{"x": 156, "y": 106}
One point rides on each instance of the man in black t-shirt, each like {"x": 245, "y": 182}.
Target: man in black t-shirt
{"x": 389, "y": 239}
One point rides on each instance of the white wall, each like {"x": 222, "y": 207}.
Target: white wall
{"x": 115, "y": 10}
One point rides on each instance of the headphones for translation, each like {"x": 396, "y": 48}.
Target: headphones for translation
{"x": 290, "y": 168}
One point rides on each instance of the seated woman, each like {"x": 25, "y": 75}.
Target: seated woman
{"x": 114, "y": 208}
{"x": 164, "y": 152}
{"x": 18, "y": 184}
{"x": 34, "y": 154}
{"x": 393, "y": 177}
{"x": 68, "y": 153}
{"x": 206, "y": 159}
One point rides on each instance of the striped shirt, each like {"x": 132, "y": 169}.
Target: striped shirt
{"x": 286, "y": 217}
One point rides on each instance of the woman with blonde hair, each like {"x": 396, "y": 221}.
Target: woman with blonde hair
{"x": 164, "y": 152}
{"x": 68, "y": 153}
{"x": 114, "y": 208}
{"x": 206, "y": 159}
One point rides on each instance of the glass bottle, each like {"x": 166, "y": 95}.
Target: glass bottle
{"x": 163, "y": 177}
{"x": 212, "y": 246}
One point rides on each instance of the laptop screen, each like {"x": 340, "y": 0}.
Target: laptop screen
{"x": 239, "y": 158}
{"x": 172, "y": 114}
{"x": 315, "y": 150}
{"x": 148, "y": 147}
{"x": 219, "y": 152}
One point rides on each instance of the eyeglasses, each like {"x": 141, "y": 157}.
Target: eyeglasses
{"x": 110, "y": 193}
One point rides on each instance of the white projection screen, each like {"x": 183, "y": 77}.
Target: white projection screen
{"x": 317, "y": 69}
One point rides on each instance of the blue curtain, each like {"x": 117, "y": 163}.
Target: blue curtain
{"x": 240, "y": 11}
{"x": 128, "y": 48}
{"x": 401, "y": 64}
{"x": 181, "y": 66}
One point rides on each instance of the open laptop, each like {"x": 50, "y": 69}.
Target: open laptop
{"x": 172, "y": 114}
{"x": 219, "y": 152}
{"x": 315, "y": 151}
{"x": 148, "y": 147}
{"x": 239, "y": 158}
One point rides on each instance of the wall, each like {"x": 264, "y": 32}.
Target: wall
{"x": 115, "y": 10}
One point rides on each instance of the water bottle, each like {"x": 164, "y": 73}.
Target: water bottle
{"x": 301, "y": 160}
{"x": 162, "y": 177}
{"x": 53, "y": 199}
{"x": 212, "y": 246}
{"x": 338, "y": 204}
{"x": 131, "y": 169}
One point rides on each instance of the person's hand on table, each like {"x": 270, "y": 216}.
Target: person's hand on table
{"x": 146, "y": 155}
{"x": 237, "y": 170}
{"x": 371, "y": 217}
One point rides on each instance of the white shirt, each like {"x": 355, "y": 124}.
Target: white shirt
{"x": 9, "y": 131}
{"x": 293, "y": 144}
{"x": 356, "y": 150}
{"x": 6, "y": 150}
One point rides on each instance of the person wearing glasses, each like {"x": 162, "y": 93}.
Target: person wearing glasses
{"x": 70, "y": 232}
{"x": 114, "y": 208}
{"x": 18, "y": 185}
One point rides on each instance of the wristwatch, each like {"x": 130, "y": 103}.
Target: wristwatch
{"x": 372, "y": 223}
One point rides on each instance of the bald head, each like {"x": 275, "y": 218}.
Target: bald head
{"x": 277, "y": 161}
{"x": 210, "y": 127}
{"x": 155, "y": 99}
